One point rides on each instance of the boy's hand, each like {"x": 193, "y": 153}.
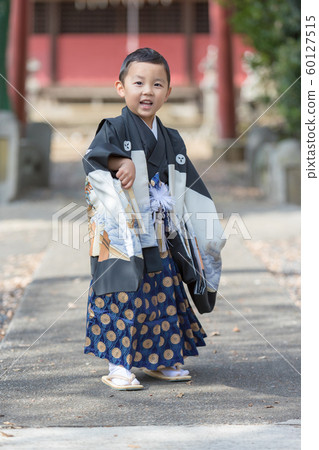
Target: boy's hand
{"x": 126, "y": 173}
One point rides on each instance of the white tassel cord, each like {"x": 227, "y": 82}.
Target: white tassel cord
{"x": 161, "y": 198}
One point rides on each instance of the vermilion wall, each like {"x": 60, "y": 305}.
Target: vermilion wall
{"x": 95, "y": 59}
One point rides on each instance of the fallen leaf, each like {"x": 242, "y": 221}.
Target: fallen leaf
{"x": 262, "y": 357}
{"x": 180, "y": 395}
{"x": 250, "y": 404}
{"x": 215, "y": 333}
{"x": 189, "y": 382}
{"x": 236, "y": 330}
{"x": 71, "y": 305}
{"x": 276, "y": 402}
{"x": 6, "y": 434}
{"x": 214, "y": 351}
{"x": 269, "y": 406}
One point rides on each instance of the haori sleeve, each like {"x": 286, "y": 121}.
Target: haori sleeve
{"x": 104, "y": 145}
{"x": 206, "y": 224}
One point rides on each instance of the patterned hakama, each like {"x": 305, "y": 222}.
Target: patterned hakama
{"x": 152, "y": 327}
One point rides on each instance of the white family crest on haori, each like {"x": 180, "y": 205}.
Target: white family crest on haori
{"x": 180, "y": 159}
{"x": 127, "y": 146}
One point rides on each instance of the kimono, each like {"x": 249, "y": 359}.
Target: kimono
{"x": 144, "y": 242}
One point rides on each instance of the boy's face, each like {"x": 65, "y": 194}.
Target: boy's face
{"x": 145, "y": 89}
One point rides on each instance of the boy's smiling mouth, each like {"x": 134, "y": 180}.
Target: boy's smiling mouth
{"x": 146, "y": 104}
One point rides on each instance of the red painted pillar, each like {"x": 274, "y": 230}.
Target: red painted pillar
{"x": 18, "y": 40}
{"x": 226, "y": 98}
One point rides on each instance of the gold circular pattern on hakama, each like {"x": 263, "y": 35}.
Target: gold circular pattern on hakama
{"x": 151, "y": 274}
{"x": 148, "y": 343}
{"x": 132, "y": 331}
{"x": 138, "y": 356}
{"x": 129, "y": 359}
{"x": 105, "y": 318}
{"x": 154, "y": 300}
{"x": 96, "y": 330}
{"x": 153, "y": 358}
{"x": 91, "y": 291}
{"x": 168, "y": 354}
{"x": 161, "y": 297}
{"x": 141, "y": 318}
{"x": 187, "y": 345}
{"x": 161, "y": 342}
{"x": 111, "y": 336}
{"x": 114, "y": 308}
{"x": 99, "y": 302}
{"x": 129, "y": 314}
{"x": 101, "y": 346}
{"x": 138, "y": 302}
{"x": 194, "y": 326}
{"x": 167, "y": 281}
{"x": 157, "y": 329}
{"x": 144, "y": 329}
{"x": 165, "y": 325}
{"x": 91, "y": 313}
{"x": 126, "y": 341}
{"x": 171, "y": 310}
{"x": 147, "y": 304}
{"x": 116, "y": 352}
{"x": 152, "y": 316}
{"x": 182, "y": 307}
{"x": 134, "y": 345}
{"x": 181, "y": 320}
{"x": 120, "y": 325}
{"x": 87, "y": 341}
{"x": 175, "y": 338}
{"x": 146, "y": 288}
{"x": 123, "y": 297}
{"x": 176, "y": 281}
{"x": 189, "y": 334}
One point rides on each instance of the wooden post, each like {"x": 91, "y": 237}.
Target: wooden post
{"x": 188, "y": 13}
{"x": 133, "y": 26}
{"x": 219, "y": 24}
{"x": 18, "y": 47}
{"x": 54, "y": 28}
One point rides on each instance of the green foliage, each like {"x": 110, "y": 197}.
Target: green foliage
{"x": 272, "y": 27}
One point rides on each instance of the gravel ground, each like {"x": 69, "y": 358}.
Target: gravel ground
{"x": 282, "y": 258}
{"x": 17, "y": 273}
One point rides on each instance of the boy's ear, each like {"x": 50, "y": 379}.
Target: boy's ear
{"x": 168, "y": 93}
{"x": 120, "y": 88}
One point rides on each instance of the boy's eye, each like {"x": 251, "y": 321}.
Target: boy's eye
{"x": 139, "y": 83}
{"x": 158, "y": 84}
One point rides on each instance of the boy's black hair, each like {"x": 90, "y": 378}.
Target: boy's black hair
{"x": 144, "y": 55}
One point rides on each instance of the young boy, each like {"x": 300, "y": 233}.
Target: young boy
{"x": 140, "y": 187}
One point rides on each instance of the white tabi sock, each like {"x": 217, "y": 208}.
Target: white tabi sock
{"x": 120, "y": 370}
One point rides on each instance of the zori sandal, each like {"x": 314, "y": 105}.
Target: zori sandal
{"x": 107, "y": 379}
{"x": 157, "y": 374}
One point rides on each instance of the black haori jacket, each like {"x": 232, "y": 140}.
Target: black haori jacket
{"x": 123, "y": 239}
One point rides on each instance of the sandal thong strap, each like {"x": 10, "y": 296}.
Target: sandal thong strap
{"x": 121, "y": 377}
